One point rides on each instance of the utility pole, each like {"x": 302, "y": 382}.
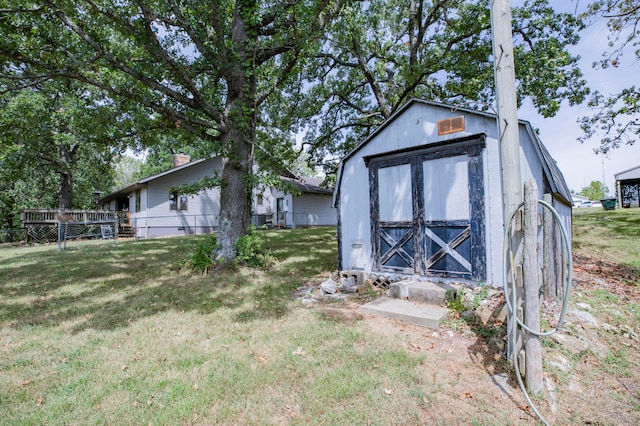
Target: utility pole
{"x": 505, "y": 82}
{"x": 604, "y": 187}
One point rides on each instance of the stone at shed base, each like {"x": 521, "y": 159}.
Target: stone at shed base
{"x": 419, "y": 291}
{"x": 329, "y": 286}
{"x": 487, "y": 314}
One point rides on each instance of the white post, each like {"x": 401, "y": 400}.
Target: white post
{"x": 59, "y": 236}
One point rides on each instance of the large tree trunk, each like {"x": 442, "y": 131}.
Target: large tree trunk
{"x": 65, "y": 191}
{"x": 235, "y": 197}
{"x": 237, "y": 140}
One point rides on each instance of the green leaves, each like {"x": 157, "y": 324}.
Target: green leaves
{"x": 54, "y": 131}
{"x": 615, "y": 118}
{"x": 200, "y": 185}
{"x": 595, "y": 191}
{"x": 382, "y": 53}
{"x": 200, "y": 69}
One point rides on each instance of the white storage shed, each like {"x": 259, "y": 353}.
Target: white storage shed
{"x": 422, "y": 196}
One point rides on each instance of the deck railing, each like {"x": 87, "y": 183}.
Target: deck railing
{"x": 50, "y": 216}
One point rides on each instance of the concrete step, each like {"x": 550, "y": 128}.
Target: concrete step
{"x": 419, "y": 291}
{"x": 404, "y": 310}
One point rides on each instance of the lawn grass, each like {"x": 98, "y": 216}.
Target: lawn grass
{"x": 613, "y": 235}
{"x": 607, "y": 244}
{"x": 118, "y": 335}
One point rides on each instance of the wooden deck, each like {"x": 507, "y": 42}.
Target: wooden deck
{"x": 51, "y": 216}
{"x": 42, "y": 224}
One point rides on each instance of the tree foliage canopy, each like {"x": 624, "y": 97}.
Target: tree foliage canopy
{"x": 383, "y": 52}
{"x": 57, "y": 132}
{"x": 230, "y": 72}
{"x": 595, "y": 191}
{"x": 197, "y": 67}
{"x": 616, "y": 117}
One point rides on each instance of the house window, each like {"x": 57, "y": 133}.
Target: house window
{"x": 138, "y": 200}
{"x": 173, "y": 201}
{"x": 259, "y": 200}
{"x": 178, "y": 202}
{"x": 183, "y": 202}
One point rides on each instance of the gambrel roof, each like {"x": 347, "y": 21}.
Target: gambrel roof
{"x": 551, "y": 171}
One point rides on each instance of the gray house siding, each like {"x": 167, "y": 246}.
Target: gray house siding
{"x": 306, "y": 209}
{"x": 313, "y": 210}
{"x": 201, "y": 215}
{"x": 156, "y": 218}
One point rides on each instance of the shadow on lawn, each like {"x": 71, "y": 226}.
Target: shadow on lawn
{"x": 108, "y": 287}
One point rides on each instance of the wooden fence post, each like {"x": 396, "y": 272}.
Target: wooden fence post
{"x": 550, "y": 253}
{"x": 532, "y": 345}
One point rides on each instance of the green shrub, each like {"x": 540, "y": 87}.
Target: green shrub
{"x": 455, "y": 300}
{"x": 200, "y": 259}
{"x": 250, "y": 251}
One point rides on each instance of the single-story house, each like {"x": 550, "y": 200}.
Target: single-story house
{"x": 628, "y": 188}
{"x": 577, "y": 200}
{"x": 154, "y": 211}
{"x": 422, "y": 195}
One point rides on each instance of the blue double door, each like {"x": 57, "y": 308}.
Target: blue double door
{"x": 428, "y": 212}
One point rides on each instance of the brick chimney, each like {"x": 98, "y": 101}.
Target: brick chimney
{"x": 180, "y": 158}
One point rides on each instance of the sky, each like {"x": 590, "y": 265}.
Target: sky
{"x": 577, "y": 161}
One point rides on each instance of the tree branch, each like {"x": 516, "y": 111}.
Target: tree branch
{"x": 117, "y": 63}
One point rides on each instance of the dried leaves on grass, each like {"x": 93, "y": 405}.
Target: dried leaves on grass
{"x": 621, "y": 280}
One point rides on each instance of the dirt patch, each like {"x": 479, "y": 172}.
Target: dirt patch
{"x": 474, "y": 382}
{"x": 592, "y": 274}
{"x": 472, "y": 378}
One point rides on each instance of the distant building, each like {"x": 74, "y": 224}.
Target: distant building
{"x": 628, "y": 188}
{"x": 578, "y": 199}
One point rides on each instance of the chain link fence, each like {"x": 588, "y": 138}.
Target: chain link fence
{"x": 163, "y": 225}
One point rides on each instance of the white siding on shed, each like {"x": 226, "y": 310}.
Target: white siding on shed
{"x": 413, "y": 126}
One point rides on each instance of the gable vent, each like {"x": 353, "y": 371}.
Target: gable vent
{"x": 451, "y": 125}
